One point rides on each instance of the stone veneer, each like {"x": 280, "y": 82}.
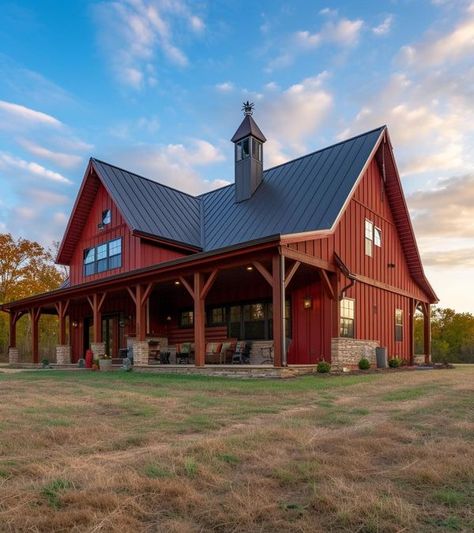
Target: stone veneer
{"x": 63, "y": 354}
{"x": 141, "y": 351}
{"x": 347, "y": 352}
{"x": 13, "y": 356}
{"x": 98, "y": 349}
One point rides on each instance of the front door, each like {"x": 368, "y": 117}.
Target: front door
{"x": 110, "y": 334}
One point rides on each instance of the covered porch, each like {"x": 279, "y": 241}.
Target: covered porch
{"x": 269, "y": 306}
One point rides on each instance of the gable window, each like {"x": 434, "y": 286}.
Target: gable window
{"x": 106, "y": 217}
{"x": 103, "y": 257}
{"x": 347, "y": 318}
{"x": 398, "y": 324}
{"x": 186, "y": 319}
{"x": 377, "y": 236}
{"x": 369, "y": 237}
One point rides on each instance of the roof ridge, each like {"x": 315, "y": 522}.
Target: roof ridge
{"x": 145, "y": 178}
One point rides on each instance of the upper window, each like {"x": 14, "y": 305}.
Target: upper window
{"x": 106, "y": 217}
{"x": 398, "y": 324}
{"x": 103, "y": 257}
{"x": 242, "y": 149}
{"x": 256, "y": 149}
{"x": 377, "y": 236}
{"x": 347, "y": 317}
{"x": 369, "y": 237}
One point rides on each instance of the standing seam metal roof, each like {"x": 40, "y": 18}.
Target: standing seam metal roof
{"x": 305, "y": 194}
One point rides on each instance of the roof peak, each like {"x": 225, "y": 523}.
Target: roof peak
{"x": 247, "y": 127}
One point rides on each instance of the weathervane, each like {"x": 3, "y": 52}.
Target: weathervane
{"x": 247, "y": 108}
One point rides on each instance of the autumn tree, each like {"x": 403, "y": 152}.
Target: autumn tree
{"x": 26, "y": 268}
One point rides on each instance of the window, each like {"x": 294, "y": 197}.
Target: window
{"x": 256, "y": 149}
{"x": 103, "y": 257}
{"x": 369, "y": 237}
{"x": 186, "y": 319}
{"x": 217, "y": 316}
{"x": 106, "y": 217}
{"x": 398, "y": 324}
{"x": 347, "y": 318}
{"x": 242, "y": 149}
{"x": 377, "y": 236}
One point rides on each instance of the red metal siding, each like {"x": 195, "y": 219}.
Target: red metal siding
{"x": 135, "y": 252}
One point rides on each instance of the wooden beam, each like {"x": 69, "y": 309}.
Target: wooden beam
{"x": 327, "y": 284}
{"x": 187, "y": 286}
{"x": 140, "y": 314}
{"x": 199, "y": 321}
{"x": 427, "y": 333}
{"x": 132, "y": 295}
{"x": 307, "y": 259}
{"x": 91, "y": 303}
{"x": 34, "y": 315}
{"x": 12, "y": 337}
{"x": 263, "y": 271}
{"x": 292, "y": 271}
{"x": 146, "y": 292}
{"x": 209, "y": 283}
{"x": 277, "y": 299}
{"x": 101, "y": 301}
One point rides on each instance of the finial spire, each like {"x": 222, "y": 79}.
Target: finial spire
{"x": 247, "y": 108}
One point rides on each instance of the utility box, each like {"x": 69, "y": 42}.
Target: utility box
{"x": 381, "y": 357}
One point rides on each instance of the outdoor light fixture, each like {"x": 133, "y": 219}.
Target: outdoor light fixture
{"x": 249, "y": 268}
{"x": 168, "y": 318}
{"x": 74, "y": 324}
{"x": 177, "y": 282}
{"x": 307, "y": 302}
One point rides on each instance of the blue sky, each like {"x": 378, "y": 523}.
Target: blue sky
{"x": 156, "y": 86}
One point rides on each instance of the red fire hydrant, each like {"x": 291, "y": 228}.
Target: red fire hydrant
{"x": 89, "y": 358}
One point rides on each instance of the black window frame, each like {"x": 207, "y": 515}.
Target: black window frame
{"x": 104, "y": 263}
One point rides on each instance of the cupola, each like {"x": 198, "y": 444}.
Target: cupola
{"x": 248, "y": 140}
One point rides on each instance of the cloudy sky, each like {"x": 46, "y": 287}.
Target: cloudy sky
{"x": 156, "y": 86}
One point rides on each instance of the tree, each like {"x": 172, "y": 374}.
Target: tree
{"x": 26, "y": 268}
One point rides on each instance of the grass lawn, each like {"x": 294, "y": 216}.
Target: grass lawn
{"x": 142, "y": 452}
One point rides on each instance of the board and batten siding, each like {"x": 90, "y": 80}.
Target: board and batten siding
{"x": 135, "y": 252}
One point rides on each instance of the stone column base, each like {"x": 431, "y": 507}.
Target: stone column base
{"x": 347, "y": 352}
{"x": 13, "y": 356}
{"x": 98, "y": 349}
{"x": 63, "y": 354}
{"x": 140, "y": 352}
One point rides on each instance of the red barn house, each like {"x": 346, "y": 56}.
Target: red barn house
{"x": 309, "y": 260}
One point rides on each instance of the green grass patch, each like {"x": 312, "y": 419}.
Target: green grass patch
{"x": 449, "y": 497}
{"x": 190, "y": 467}
{"x": 155, "y": 470}
{"x": 229, "y": 458}
{"x": 53, "y": 490}
{"x": 403, "y": 395}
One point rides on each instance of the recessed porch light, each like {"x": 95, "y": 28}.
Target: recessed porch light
{"x": 249, "y": 268}
{"x": 177, "y": 282}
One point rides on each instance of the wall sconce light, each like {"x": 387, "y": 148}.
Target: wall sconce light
{"x": 307, "y": 302}
{"x": 74, "y": 324}
{"x": 168, "y": 318}
{"x": 122, "y": 323}
{"x": 177, "y": 282}
{"x": 249, "y": 268}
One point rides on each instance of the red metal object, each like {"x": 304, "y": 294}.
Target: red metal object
{"x": 89, "y": 358}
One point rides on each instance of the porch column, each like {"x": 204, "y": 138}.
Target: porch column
{"x": 63, "y": 350}
{"x": 278, "y": 290}
{"x": 427, "y": 332}
{"x": 140, "y": 294}
{"x": 199, "y": 321}
{"x": 34, "y": 317}
{"x": 96, "y": 302}
{"x": 13, "y": 355}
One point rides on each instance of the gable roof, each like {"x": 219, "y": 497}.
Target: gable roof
{"x": 308, "y": 194}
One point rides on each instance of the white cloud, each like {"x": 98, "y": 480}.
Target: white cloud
{"x": 24, "y": 114}
{"x": 384, "y": 27}
{"x": 59, "y": 158}
{"x": 328, "y": 12}
{"x": 8, "y": 161}
{"x": 343, "y": 32}
{"x": 225, "y": 87}
{"x": 132, "y": 32}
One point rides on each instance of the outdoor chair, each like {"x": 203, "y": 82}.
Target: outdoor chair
{"x": 183, "y": 353}
{"x": 213, "y": 353}
{"x": 241, "y": 355}
{"x": 227, "y": 352}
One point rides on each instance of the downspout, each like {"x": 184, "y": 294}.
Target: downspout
{"x": 346, "y": 288}
{"x": 283, "y": 311}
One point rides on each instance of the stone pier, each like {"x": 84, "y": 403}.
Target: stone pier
{"x": 63, "y": 354}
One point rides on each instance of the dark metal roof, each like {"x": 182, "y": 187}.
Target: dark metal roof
{"x": 247, "y": 127}
{"x": 306, "y": 194}
{"x": 152, "y": 208}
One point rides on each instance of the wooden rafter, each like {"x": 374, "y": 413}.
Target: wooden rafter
{"x": 132, "y": 295}
{"x": 291, "y": 272}
{"x": 327, "y": 284}
{"x": 187, "y": 286}
{"x": 209, "y": 283}
{"x": 264, "y": 272}
{"x": 147, "y": 292}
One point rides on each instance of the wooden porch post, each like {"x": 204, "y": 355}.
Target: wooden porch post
{"x": 140, "y": 297}
{"x": 13, "y": 321}
{"x": 199, "y": 321}
{"x": 427, "y": 332}
{"x": 96, "y": 304}
{"x": 278, "y": 290}
{"x": 61, "y": 308}
{"x": 35, "y": 316}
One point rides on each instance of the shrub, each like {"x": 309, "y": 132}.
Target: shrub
{"x": 364, "y": 364}
{"x": 394, "y": 362}
{"x": 323, "y": 367}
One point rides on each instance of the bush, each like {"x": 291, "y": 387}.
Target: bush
{"x": 364, "y": 364}
{"x": 395, "y": 362}
{"x": 323, "y": 367}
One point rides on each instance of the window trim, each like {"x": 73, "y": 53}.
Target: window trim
{"x": 107, "y": 258}
{"x": 368, "y": 239}
{"x": 399, "y": 325}
{"x": 347, "y": 318}
{"x": 379, "y": 231}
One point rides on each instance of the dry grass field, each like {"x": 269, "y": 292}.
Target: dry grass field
{"x": 138, "y": 452}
